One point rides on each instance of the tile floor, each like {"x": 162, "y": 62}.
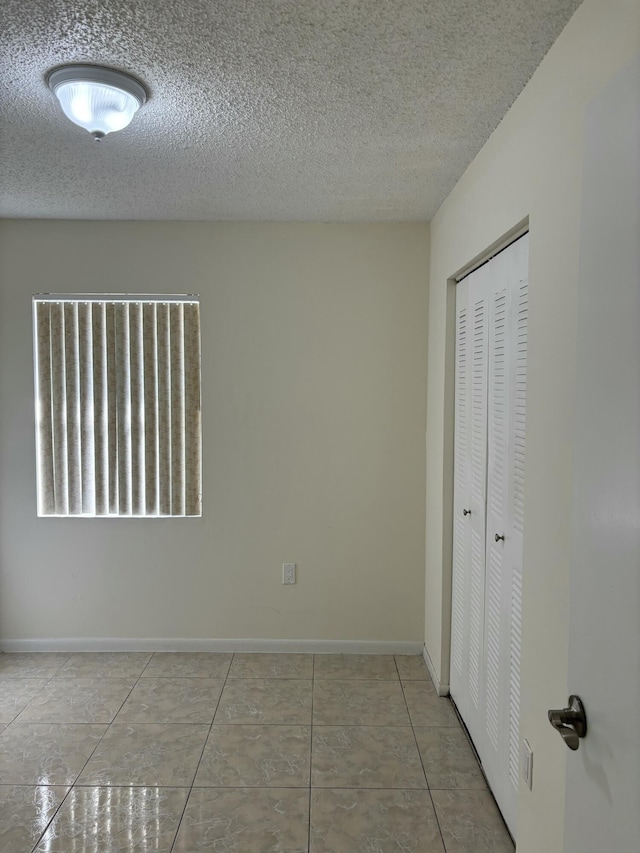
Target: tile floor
{"x": 178, "y": 753}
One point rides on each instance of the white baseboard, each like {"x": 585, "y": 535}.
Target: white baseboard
{"x": 442, "y": 689}
{"x": 159, "y": 644}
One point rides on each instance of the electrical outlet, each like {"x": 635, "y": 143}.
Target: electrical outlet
{"x": 527, "y": 763}
{"x": 288, "y": 573}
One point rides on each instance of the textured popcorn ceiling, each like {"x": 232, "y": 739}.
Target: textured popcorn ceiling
{"x": 264, "y": 109}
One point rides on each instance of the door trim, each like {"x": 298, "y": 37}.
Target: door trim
{"x": 494, "y": 249}
{"x": 442, "y": 688}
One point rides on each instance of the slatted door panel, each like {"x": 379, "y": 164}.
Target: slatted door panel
{"x": 461, "y": 670}
{"x": 497, "y": 560}
{"x": 519, "y": 285}
{"x": 505, "y": 517}
{"x": 479, "y": 312}
{"x": 461, "y": 532}
{"x": 469, "y": 498}
{"x": 498, "y": 421}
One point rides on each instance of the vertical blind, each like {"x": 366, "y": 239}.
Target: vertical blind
{"x": 118, "y": 427}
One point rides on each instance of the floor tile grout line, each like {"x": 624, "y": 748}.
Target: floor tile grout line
{"x": 426, "y": 778}
{"x": 48, "y": 678}
{"x": 129, "y": 693}
{"x": 311, "y": 725}
{"x": 368, "y": 788}
{"x": 104, "y": 734}
{"x": 63, "y": 800}
{"x": 472, "y": 746}
{"x": 268, "y": 678}
{"x": 248, "y": 787}
{"x": 145, "y": 667}
{"x": 56, "y": 675}
{"x": 73, "y": 784}
{"x": 204, "y": 746}
{"x": 53, "y": 817}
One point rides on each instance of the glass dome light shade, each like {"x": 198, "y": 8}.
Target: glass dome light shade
{"x": 100, "y": 100}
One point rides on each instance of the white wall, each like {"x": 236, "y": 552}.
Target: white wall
{"x": 531, "y": 167}
{"x": 314, "y": 396}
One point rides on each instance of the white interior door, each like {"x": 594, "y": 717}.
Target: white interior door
{"x": 603, "y": 776}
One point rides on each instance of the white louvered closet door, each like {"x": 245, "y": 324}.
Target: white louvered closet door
{"x": 505, "y": 518}
{"x": 487, "y": 588}
{"x": 472, "y": 315}
{"x": 459, "y": 676}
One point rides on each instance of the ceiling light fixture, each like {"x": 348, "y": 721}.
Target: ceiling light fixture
{"x": 99, "y": 99}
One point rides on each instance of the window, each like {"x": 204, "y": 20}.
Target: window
{"x": 117, "y": 388}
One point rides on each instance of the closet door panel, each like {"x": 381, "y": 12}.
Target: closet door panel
{"x": 497, "y": 556}
{"x": 459, "y": 677}
{"x": 479, "y": 312}
{"x": 459, "y": 596}
{"x": 476, "y": 628}
{"x": 505, "y": 518}
{"x": 519, "y": 286}
{"x": 469, "y": 497}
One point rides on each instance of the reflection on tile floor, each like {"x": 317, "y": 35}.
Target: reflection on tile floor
{"x": 116, "y": 820}
{"x": 183, "y": 752}
{"x": 146, "y": 754}
{"x": 25, "y": 813}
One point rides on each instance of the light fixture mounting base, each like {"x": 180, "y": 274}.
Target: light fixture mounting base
{"x": 79, "y": 72}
